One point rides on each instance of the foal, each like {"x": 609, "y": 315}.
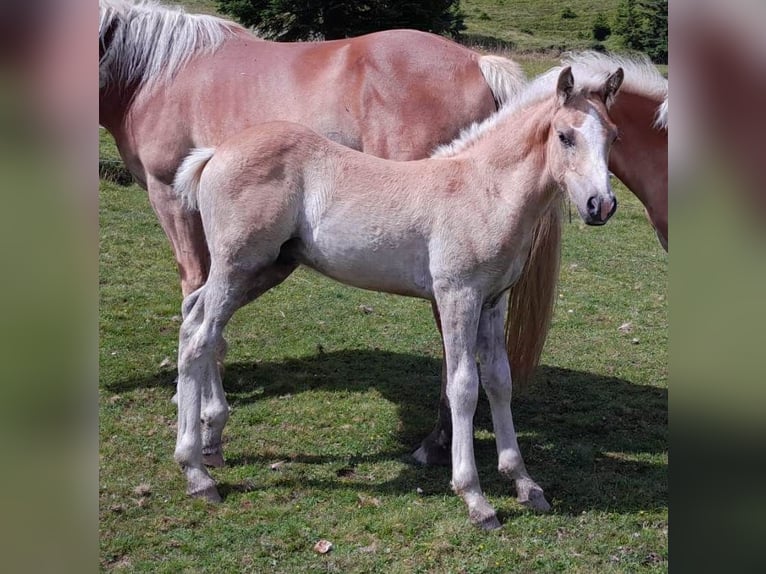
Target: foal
{"x": 455, "y": 230}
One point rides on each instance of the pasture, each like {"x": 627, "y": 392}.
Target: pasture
{"x": 331, "y": 388}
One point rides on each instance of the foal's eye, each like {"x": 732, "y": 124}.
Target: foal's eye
{"x": 566, "y": 140}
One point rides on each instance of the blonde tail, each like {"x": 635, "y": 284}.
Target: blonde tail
{"x": 504, "y": 77}
{"x": 186, "y": 183}
{"x": 533, "y": 297}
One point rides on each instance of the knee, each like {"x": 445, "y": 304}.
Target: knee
{"x": 496, "y": 377}
{"x": 215, "y": 416}
{"x": 462, "y": 388}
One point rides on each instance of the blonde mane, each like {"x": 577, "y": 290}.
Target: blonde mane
{"x": 144, "y": 42}
{"x": 540, "y": 88}
{"x": 641, "y": 76}
{"x": 590, "y": 69}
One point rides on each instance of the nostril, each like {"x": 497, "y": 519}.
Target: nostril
{"x": 593, "y": 206}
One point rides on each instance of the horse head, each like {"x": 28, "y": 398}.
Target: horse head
{"x": 579, "y": 142}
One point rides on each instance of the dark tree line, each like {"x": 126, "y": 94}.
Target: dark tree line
{"x": 643, "y": 26}
{"x": 291, "y": 20}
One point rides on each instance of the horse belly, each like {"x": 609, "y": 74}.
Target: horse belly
{"x": 370, "y": 263}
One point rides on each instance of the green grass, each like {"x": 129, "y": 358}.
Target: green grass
{"x": 532, "y": 25}
{"x": 340, "y": 397}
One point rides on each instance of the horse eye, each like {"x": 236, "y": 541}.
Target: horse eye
{"x": 565, "y": 139}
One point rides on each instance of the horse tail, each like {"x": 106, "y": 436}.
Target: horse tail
{"x": 532, "y": 298}
{"x": 186, "y": 183}
{"x": 504, "y": 77}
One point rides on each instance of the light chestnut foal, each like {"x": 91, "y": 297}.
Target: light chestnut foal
{"x": 454, "y": 230}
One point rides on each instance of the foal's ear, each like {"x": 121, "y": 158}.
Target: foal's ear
{"x": 612, "y": 84}
{"x": 565, "y": 85}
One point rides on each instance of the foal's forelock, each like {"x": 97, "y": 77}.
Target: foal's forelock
{"x": 143, "y": 42}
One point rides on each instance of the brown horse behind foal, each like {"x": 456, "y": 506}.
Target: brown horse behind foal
{"x": 456, "y": 230}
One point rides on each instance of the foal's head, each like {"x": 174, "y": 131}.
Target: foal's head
{"x": 578, "y": 145}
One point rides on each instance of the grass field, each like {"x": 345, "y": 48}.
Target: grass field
{"x": 328, "y": 399}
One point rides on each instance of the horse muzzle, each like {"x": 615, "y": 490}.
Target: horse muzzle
{"x": 600, "y": 209}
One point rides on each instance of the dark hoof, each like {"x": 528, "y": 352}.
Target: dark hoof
{"x": 210, "y": 494}
{"x": 431, "y": 453}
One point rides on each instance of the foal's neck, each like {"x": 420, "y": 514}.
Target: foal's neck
{"x": 515, "y": 156}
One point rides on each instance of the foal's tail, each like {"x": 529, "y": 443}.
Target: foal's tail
{"x": 533, "y": 297}
{"x": 186, "y": 183}
{"x": 504, "y": 77}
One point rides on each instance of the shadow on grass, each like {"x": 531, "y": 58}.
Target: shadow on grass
{"x": 592, "y": 442}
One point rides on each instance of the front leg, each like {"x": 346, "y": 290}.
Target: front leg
{"x": 435, "y": 448}
{"x": 496, "y": 379}
{"x": 460, "y": 310}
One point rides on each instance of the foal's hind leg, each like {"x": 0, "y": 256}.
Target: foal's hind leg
{"x": 496, "y": 379}
{"x": 215, "y": 409}
{"x": 206, "y": 315}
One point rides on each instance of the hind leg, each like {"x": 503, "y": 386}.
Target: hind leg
{"x": 202, "y": 407}
{"x": 496, "y": 380}
{"x": 215, "y": 409}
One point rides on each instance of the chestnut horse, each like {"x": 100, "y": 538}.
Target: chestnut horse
{"x": 455, "y": 230}
{"x": 639, "y": 157}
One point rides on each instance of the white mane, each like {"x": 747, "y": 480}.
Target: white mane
{"x": 590, "y": 70}
{"x": 641, "y": 76}
{"x": 145, "y": 42}
{"x": 541, "y": 87}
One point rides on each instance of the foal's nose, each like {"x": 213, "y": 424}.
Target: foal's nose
{"x": 600, "y": 208}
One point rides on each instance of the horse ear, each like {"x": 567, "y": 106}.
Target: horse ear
{"x": 565, "y": 85}
{"x": 612, "y": 84}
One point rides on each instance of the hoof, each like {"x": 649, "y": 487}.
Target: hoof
{"x": 210, "y": 494}
{"x": 213, "y": 459}
{"x": 432, "y": 453}
{"x": 534, "y": 499}
{"x": 486, "y": 523}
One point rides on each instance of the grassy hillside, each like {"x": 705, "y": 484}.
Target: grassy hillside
{"x": 518, "y": 25}
{"x": 524, "y": 25}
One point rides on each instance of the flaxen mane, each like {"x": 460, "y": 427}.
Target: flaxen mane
{"x": 143, "y": 42}
{"x": 641, "y": 76}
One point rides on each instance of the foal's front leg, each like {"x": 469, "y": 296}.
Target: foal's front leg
{"x": 496, "y": 379}
{"x": 435, "y": 448}
{"x": 460, "y": 310}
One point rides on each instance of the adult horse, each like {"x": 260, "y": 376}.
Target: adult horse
{"x": 171, "y": 81}
{"x": 455, "y": 230}
{"x": 639, "y": 158}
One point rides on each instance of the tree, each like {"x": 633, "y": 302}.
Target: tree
{"x": 601, "y": 28}
{"x": 643, "y": 26}
{"x": 291, "y": 20}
